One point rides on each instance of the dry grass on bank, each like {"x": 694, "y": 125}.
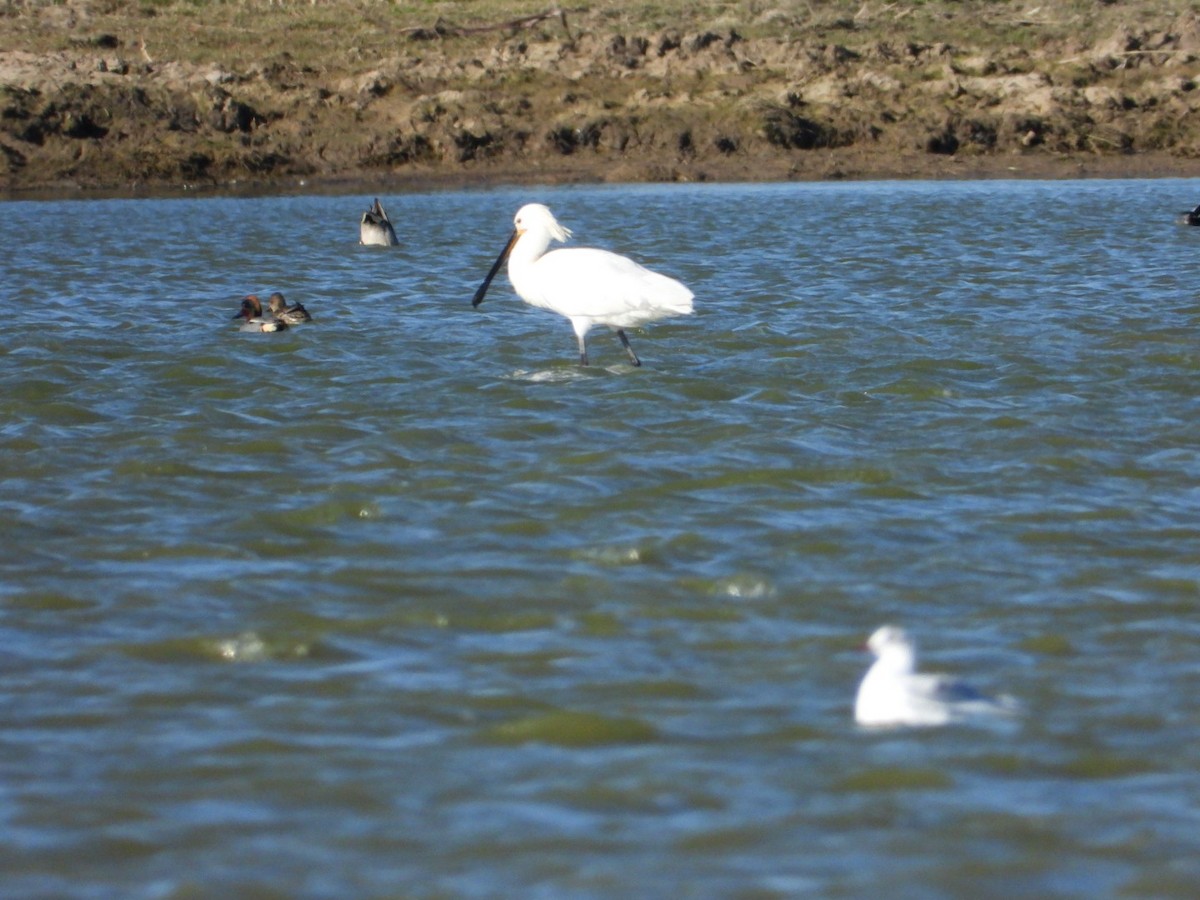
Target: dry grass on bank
{"x": 339, "y": 35}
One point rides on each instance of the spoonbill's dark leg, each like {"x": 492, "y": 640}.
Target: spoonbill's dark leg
{"x": 583, "y": 360}
{"x": 625, "y": 343}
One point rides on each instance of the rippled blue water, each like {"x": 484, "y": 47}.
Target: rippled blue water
{"x": 404, "y": 603}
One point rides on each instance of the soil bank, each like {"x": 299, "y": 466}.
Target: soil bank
{"x": 171, "y": 96}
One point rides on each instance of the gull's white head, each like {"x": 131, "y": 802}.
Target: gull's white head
{"x": 893, "y": 646}
{"x": 535, "y": 217}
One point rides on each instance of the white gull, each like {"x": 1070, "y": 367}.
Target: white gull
{"x": 893, "y": 693}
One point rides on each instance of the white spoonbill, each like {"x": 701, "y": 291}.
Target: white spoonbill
{"x": 588, "y": 286}
{"x": 894, "y": 693}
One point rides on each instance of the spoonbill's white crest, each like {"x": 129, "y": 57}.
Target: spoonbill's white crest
{"x": 894, "y": 693}
{"x": 588, "y": 286}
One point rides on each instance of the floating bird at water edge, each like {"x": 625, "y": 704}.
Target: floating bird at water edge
{"x": 291, "y": 315}
{"x": 893, "y": 693}
{"x": 376, "y": 228}
{"x": 1191, "y": 217}
{"x": 252, "y": 312}
{"x": 588, "y": 286}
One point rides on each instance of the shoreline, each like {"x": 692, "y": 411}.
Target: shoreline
{"x": 194, "y": 99}
{"x": 1034, "y": 167}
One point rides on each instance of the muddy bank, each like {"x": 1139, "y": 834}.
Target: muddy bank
{"x": 591, "y": 97}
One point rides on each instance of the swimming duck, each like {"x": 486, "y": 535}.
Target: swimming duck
{"x": 587, "y": 286}
{"x": 1190, "y": 218}
{"x": 894, "y": 693}
{"x": 252, "y": 312}
{"x": 290, "y": 315}
{"x": 376, "y": 228}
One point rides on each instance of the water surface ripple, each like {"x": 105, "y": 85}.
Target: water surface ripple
{"x": 404, "y": 603}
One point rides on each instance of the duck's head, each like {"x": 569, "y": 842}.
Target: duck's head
{"x": 251, "y": 307}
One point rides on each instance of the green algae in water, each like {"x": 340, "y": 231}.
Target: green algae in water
{"x": 566, "y": 728}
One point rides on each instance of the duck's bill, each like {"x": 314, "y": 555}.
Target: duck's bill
{"x": 487, "y": 282}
